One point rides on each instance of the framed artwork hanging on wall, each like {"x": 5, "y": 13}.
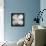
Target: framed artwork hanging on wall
{"x": 17, "y": 19}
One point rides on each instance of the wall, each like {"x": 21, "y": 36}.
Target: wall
{"x": 43, "y": 6}
{"x": 29, "y": 7}
{"x": 1, "y": 20}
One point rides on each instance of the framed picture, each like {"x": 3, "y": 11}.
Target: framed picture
{"x": 17, "y": 19}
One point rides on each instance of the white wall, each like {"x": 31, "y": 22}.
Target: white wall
{"x": 1, "y": 20}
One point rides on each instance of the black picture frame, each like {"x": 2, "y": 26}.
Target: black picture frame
{"x": 17, "y": 14}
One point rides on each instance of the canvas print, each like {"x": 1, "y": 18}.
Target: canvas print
{"x": 17, "y": 19}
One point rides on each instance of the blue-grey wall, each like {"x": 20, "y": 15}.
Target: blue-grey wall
{"x": 43, "y": 6}
{"x": 29, "y": 7}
